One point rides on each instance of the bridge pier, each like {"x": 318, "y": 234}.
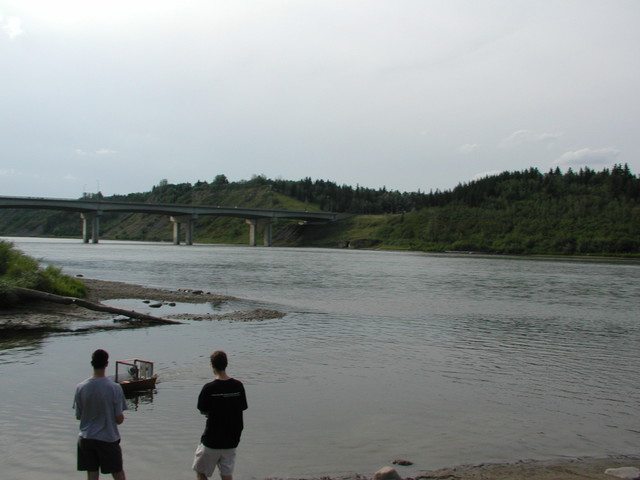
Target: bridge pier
{"x": 267, "y": 231}
{"x": 92, "y": 218}
{"x": 90, "y": 210}
{"x": 190, "y": 220}
{"x": 266, "y": 224}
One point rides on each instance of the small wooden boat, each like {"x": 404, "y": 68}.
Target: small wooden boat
{"x": 135, "y": 375}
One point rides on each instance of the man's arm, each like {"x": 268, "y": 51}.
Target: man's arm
{"x": 76, "y": 405}
{"x": 243, "y": 397}
{"x": 120, "y": 405}
{"x": 203, "y": 406}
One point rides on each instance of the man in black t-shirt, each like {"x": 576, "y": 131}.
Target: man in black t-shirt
{"x": 223, "y": 402}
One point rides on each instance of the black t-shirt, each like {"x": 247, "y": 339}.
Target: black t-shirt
{"x": 223, "y": 401}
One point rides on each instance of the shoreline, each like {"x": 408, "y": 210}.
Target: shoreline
{"x": 562, "y": 468}
{"x": 579, "y": 468}
{"x": 47, "y": 317}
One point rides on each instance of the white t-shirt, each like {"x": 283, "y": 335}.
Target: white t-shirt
{"x": 98, "y": 401}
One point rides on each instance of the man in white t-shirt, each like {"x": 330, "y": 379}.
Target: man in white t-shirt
{"x": 99, "y": 404}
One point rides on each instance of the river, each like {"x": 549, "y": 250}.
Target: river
{"x": 439, "y": 359}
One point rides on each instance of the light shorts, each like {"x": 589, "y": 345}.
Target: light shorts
{"x": 206, "y": 459}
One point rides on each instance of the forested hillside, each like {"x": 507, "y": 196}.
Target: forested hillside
{"x": 528, "y": 212}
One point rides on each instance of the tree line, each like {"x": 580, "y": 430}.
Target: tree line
{"x": 497, "y": 190}
{"x": 521, "y": 212}
{"x": 617, "y": 182}
{"x": 571, "y": 213}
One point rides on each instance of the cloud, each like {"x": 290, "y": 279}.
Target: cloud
{"x": 102, "y": 151}
{"x": 521, "y": 137}
{"x": 468, "y": 147}
{"x": 588, "y": 156}
{"x": 12, "y": 26}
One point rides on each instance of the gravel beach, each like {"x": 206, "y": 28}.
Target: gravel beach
{"x": 565, "y": 469}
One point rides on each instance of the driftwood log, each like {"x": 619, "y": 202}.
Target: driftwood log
{"x": 96, "y": 307}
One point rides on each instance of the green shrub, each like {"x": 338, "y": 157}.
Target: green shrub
{"x": 53, "y": 281}
{"x": 7, "y": 296}
{"x": 20, "y": 270}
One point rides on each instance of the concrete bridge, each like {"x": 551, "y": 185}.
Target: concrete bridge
{"x": 180, "y": 215}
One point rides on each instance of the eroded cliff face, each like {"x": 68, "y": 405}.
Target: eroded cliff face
{"x": 292, "y": 234}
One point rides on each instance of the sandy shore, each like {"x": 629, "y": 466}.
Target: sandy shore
{"x": 569, "y": 469}
{"x": 50, "y": 316}
{"x": 583, "y": 468}
{"x": 42, "y": 315}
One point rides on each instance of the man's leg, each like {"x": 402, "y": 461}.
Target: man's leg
{"x": 88, "y": 459}
{"x": 226, "y": 462}
{"x": 119, "y": 475}
{"x": 201, "y": 476}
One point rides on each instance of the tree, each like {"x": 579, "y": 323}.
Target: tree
{"x": 220, "y": 180}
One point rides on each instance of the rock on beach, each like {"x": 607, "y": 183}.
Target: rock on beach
{"x": 626, "y": 473}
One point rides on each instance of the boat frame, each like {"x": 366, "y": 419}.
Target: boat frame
{"x": 140, "y": 375}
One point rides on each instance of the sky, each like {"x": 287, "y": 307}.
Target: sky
{"x": 116, "y": 96}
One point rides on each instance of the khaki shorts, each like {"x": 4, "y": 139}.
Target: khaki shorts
{"x": 206, "y": 459}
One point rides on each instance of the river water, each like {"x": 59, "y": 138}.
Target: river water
{"x": 437, "y": 359}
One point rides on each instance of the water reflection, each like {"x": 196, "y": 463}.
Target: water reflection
{"x": 167, "y": 308}
{"x": 32, "y": 339}
{"x": 139, "y": 398}
{"x": 16, "y": 345}
{"x": 438, "y": 359}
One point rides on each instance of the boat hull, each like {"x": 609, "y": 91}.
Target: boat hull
{"x": 142, "y": 384}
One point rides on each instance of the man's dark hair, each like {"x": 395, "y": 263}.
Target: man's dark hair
{"x": 219, "y": 360}
{"x": 99, "y": 359}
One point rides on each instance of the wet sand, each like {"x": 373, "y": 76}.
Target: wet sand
{"x": 566, "y": 469}
{"x": 43, "y": 315}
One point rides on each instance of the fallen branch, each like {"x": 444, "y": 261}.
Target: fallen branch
{"x": 96, "y": 307}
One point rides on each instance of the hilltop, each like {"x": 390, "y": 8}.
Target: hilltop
{"x": 527, "y": 212}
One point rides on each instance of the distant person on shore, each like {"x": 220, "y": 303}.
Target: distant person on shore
{"x": 99, "y": 403}
{"x": 222, "y": 401}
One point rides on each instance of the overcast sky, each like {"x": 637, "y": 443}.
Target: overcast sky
{"x": 409, "y": 94}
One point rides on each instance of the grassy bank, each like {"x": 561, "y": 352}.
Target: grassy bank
{"x": 20, "y": 270}
{"x": 486, "y": 230}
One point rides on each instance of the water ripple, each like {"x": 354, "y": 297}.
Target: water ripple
{"x": 451, "y": 359}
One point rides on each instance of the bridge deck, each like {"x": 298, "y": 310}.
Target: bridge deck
{"x": 100, "y": 206}
{"x": 91, "y": 209}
